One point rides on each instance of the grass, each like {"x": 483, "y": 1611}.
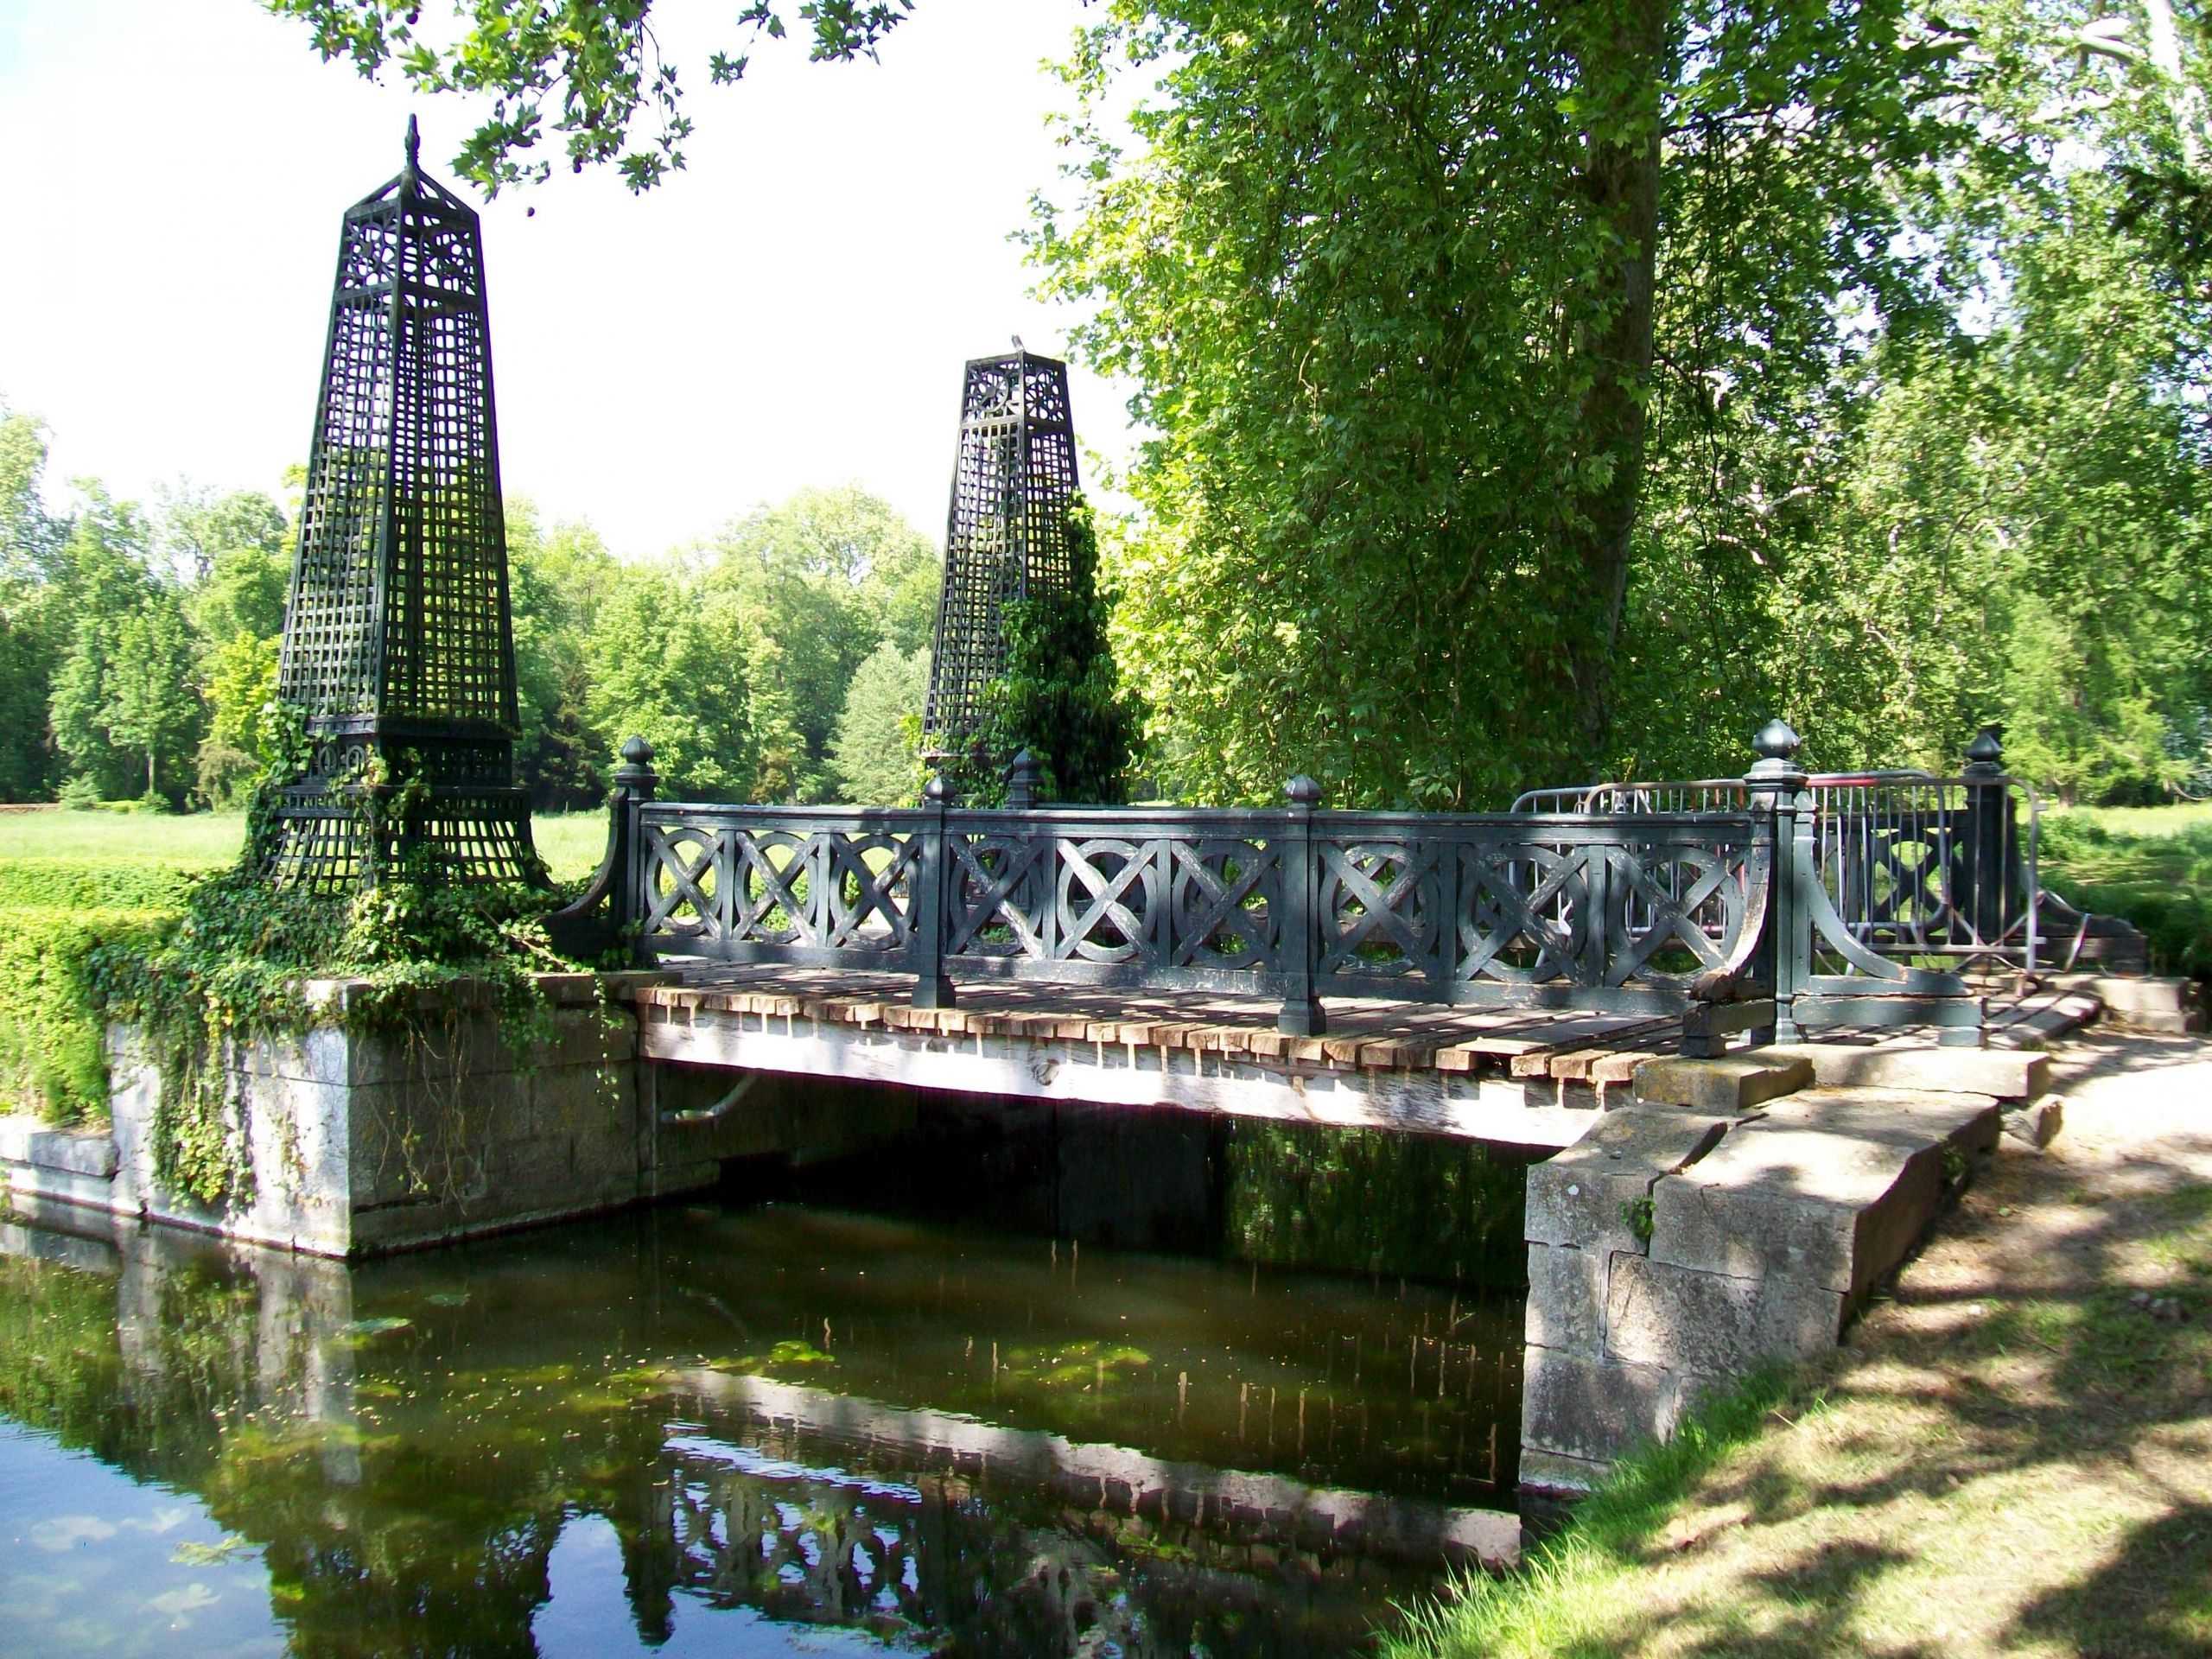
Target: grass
{"x": 2011, "y": 1454}
{"x": 570, "y": 842}
{"x": 72, "y": 880}
{"x": 2152, "y": 865}
{"x": 1575, "y": 1584}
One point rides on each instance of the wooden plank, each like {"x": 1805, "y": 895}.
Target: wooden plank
{"x": 1341, "y": 1051}
{"x": 1574, "y": 1066}
{"x": 1613, "y": 1070}
{"x": 1393, "y": 1051}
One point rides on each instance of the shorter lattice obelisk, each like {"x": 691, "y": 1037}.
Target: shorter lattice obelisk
{"x": 398, "y": 637}
{"x": 1005, "y": 537}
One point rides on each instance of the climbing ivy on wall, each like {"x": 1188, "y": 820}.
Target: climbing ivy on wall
{"x": 236, "y": 970}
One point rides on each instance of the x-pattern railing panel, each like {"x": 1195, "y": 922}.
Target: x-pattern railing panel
{"x": 1529, "y": 899}
{"x": 1379, "y": 908}
{"x": 994, "y": 910}
{"x": 1594, "y": 902}
{"x": 1446, "y": 909}
{"x": 1109, "y": 899}
{"x": 1660, "y": 911}
{"x": 1225, "y": 900}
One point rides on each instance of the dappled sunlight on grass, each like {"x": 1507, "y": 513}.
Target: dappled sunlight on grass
{"x": 2152, "y": 865}
{"x": 2008, "y": 1456}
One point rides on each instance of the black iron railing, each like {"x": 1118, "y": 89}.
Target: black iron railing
{"x": 1767, "y": 904}
{"x": 1917, "y": 869}
{"x": 1627, "y": 912}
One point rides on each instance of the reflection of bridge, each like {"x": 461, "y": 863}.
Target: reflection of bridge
{"x": 1439, "y": 972}
{"x": 249, "y": 1379}
{"x": 820, "y": 1508}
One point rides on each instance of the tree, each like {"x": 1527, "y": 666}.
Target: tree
{"x": 1400, "y": 289}
{"x": 667, "y": 662}
{"x": 876, "y": 758}
{"x": 31, "y": 625}
{"x": 151, "y": 707}
{"x": 597, "y": 62}
{"x": 822, "y": 579}
{"x": 558, "y": 579}
{"x": 198, "y": 529}
{"x": 241, "y": 683}
{"x": 123, "y": 713}
{"x": 1061, "y": 696}
{"x": 102, "y": 579}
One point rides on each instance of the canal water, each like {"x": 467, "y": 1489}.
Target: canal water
{"x": 772, "y": 1422}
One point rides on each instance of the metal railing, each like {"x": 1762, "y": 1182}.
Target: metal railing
{"x": 1638, "y": 914}
{"x": 1914, "y": 867}
{"x": 1724, "y": 902}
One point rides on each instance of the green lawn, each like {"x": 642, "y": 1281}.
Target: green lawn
{"x": 570, "y": 842}
{"x": 2150, "y": 864}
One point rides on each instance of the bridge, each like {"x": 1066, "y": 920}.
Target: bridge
{"x": 1483, "y": 975}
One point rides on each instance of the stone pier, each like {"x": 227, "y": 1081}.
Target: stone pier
{"x": 1738, "y": 1213}
{"x": 356, "y": 1140}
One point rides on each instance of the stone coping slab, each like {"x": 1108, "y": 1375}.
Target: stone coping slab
{"x": 1577, "y": 1197}
{"x": 1901, "y": 1117}
{"x": 26, "y": 1140}
{"x": 1834, "y": 1210}
{"x": 1727, "y": 1083}
{"x": 2003, "y": 1074}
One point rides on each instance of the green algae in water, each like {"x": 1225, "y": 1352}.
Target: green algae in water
{"x": 759, "y": 1428}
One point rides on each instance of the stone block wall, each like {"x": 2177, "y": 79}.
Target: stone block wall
{"x": 361, "y": 1140}
{"x": 1676, "y": 1248}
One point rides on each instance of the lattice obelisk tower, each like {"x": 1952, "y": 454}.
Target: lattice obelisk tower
{"x": 1005, "y": 536}
{"x": 398, "y": 637}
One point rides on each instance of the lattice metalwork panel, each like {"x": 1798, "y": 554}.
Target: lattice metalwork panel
{"x": 398, "y": 637}
{"x": 1467, "y": 902}
{"x": 800, "y": 889}
{"x": 1605, "y": 910}
{"x": 1006, "y": 533}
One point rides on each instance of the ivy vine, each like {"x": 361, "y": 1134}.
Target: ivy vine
{"x": 235, "y": 972}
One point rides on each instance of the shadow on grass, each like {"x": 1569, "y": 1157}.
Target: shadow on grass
{"x": 2016, "y": 1450}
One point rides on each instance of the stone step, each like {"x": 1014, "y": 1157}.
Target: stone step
{"x": 2001, "y": 1074}
{"x": 2041, "y": 1022}
{"x": 1728, "y": 1083}
{"x": 2144, "y": 1002}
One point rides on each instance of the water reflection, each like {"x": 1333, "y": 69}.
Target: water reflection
{"x": 748, "y": 1429}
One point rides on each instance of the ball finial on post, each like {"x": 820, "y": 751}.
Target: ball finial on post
{"x": 1776, "y": 746}
{"x": 1986, "y": 754}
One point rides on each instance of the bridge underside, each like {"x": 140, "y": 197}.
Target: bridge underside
{"x": 1521, "y": 1078}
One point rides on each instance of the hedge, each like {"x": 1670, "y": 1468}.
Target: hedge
{"x": 53, "y": 915}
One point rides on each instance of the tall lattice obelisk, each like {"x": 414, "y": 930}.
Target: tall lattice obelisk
{"x": 399, "y": 638}
{"x": 1005, "y": 536}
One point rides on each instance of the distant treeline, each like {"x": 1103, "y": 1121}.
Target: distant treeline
{"x": 785, "y": 658}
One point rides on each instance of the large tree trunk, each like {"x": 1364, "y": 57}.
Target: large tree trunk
{"x": 1620, "y": 47}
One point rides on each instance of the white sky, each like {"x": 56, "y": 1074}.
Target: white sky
{"x": 793, "y": 309}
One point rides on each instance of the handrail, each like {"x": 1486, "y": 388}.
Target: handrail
{"x": 1718, "y": 909}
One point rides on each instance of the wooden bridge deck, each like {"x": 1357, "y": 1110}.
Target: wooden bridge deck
{"x": 1512, "y": 1076}
{"x": 1363, "y": 1034}
{"x": 1521, "y": 1077}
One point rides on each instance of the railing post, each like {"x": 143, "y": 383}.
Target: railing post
{"x": 932, "y": 880}
{"x": 1776, "y": 785}
{"x": 1021, "y": 781}
{"x": 1299, "y": 944}
{"x": 634, "y": 782}
{"x": 1033, "y": 894}
{"x": 1988, "y": 837}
